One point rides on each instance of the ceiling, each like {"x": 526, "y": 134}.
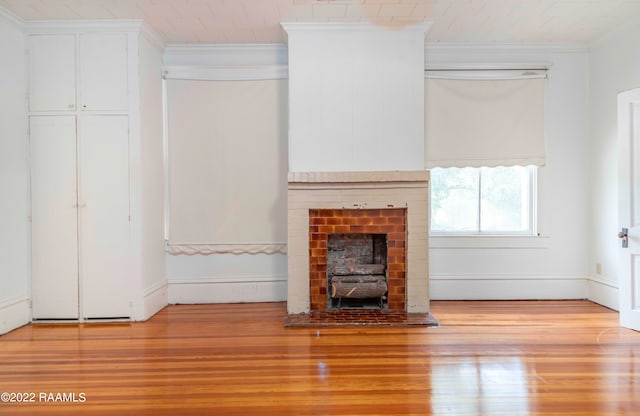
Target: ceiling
{"x": 257, "y": 21}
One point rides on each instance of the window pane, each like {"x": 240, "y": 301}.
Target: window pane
{"x": 505, "y": 199}
{"x": 454, "y": 199}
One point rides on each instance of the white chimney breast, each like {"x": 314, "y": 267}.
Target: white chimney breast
{"x": 356, "y": 97}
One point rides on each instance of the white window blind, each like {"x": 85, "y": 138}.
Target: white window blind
{"x": 227, "y": 165}
{"x": 484, "y": 122}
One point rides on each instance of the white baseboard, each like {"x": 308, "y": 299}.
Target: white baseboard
{"x": 232, "y": 289}
{"x": 603, "y": 292}
{"x": 155, "y": 298}
{"x": 14, "y": 313}
{"x": 499, "y": 287}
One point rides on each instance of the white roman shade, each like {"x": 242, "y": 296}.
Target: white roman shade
{"x": 484, "y": 122}
{"x": 227, "y": 166}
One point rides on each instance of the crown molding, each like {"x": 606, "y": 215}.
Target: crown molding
{"x": 72, "y": 26}
{"x": 226, "y": 55}
{"x": 483, "y": 48}
{"x": 225, "y": 73}
{"x": 292, "y": 27}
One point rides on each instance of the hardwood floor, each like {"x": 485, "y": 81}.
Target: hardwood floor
{"x": 486, "y": 358}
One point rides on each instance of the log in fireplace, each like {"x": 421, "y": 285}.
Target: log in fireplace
{"x": 357, "y": 270}
{"x": 357, "y": 258}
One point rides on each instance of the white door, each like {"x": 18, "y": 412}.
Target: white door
{"x": 629, "y": 207}
{"x": 54, "y": 280}
{"x": 105, "y": 247}
{"x": 52, "y": 73}
{"x": 103, "y": 72}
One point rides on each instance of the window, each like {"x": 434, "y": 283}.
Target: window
{"x": 483, "y": 201}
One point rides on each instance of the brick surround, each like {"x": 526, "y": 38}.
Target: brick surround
{"x": 393, "y": 203}
{"x": 391, "y": 222}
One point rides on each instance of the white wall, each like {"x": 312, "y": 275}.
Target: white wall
{"x": 552, "y": 266}
{"x": 614, "y": 65}
{"x": 219, "y": 278}
{"x": 14, "y": 238}
{"x": 154, "y": 277}
{"x": 355, "y": 97}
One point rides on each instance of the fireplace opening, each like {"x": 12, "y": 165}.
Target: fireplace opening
{"x": 386, "y": 227}
{"x": 357, "y": 271}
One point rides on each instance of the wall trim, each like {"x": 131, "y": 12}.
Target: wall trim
{"x": 191, "y": 249}
{"x": 75, "y": 26}
{"x": 226, "y": 55}
{"x": 227, "y": 289}
{"x": 483, "y": 48}
{"x": 225, "y": 73}
{"x": 155, "y": 299}
{"x": 603, "y": 292}
{"x": 446, "y": 276}
{"x": 439, "y": 242}
{"x": 506, "y": 287}
{"x": 14, "y": 313}
{"x": 351, "y": 27}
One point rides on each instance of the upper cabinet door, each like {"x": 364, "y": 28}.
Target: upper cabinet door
{"x": 52, "y": 73}
{"x": 103, "y": 72}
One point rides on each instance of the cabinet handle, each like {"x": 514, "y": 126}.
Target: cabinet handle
{"x": 71, "y": 106}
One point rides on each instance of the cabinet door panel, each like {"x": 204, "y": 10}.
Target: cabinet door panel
{"x": 52, "y": 73}
{"x": 105, "y": 247}
{"x": 54, "y": 284}
{"x": 103, "y": 72}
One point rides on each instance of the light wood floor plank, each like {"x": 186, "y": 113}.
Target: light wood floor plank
{"x": 486, "y": 358}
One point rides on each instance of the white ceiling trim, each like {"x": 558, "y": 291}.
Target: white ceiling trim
{"x": 352, "y": 27}
{"x": 221, "y": 55}
{"x": 227, "y": 73}
{"x": 35, "y": 27}
{"x": 483, "y": 48}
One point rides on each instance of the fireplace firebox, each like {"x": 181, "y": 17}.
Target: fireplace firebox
{"x": 357, "y": 270}
{"x": 357, "y": 258}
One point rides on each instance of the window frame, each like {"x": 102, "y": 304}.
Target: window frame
{"x": 532, "y": 230}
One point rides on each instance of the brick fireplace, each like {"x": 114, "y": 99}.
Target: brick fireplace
{"x": 390, "y": 222}
{"x": 356, "y": 165}
{"x": 393, "y": 204}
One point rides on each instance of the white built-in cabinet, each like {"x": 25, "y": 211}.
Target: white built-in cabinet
{"x": 85, "y": 187}
{"x": 80, "y": 216}
{"x": 87, "y": 72}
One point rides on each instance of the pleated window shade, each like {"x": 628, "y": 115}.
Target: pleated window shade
{"x": 227, "y": 161}
{"x": 475, "y": 123}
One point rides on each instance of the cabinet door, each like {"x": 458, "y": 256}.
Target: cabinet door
{"x": 52, "y": 73}
{"x": 103, "y": 72}
{"x": 54, "y": 281}
{"x": 105, "y": 247}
